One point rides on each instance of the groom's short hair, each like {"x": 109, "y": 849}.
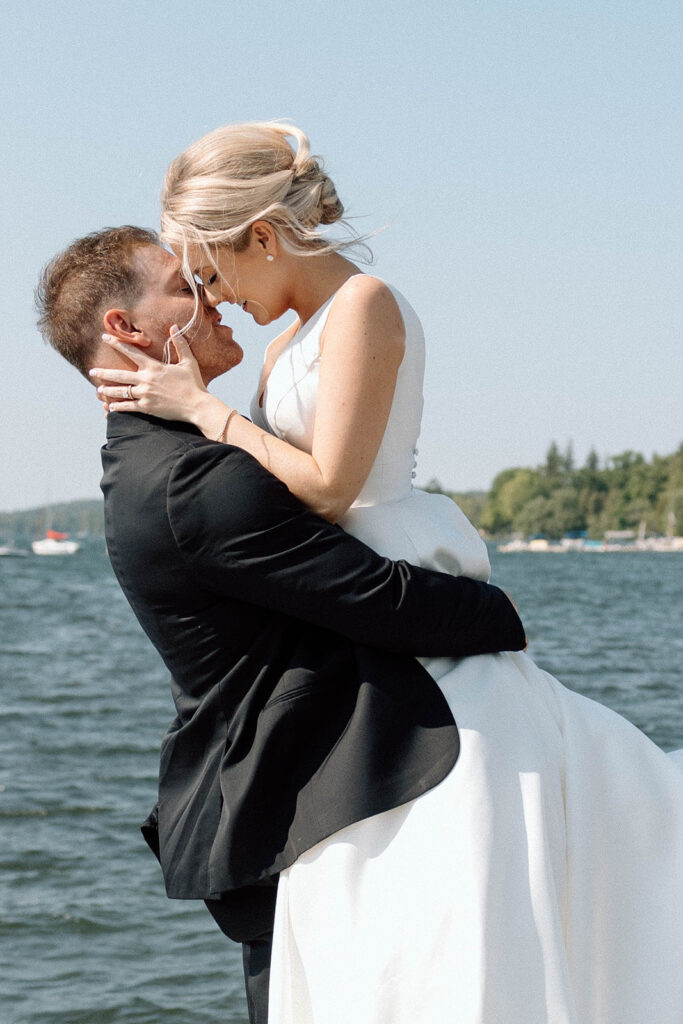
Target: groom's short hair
{"x": 79, "y": 284}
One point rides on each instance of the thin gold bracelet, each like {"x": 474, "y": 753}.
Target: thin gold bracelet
{"x": 221, "y": 435}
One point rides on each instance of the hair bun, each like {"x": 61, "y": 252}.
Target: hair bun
{"x": 308, "y": 169}
{"x": 316, "y": 192}
{"x": 330, "y": 205}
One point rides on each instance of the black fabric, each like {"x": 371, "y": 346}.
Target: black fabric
{"x": 256, "y": 957}
{"x": 298, "y": 709}
{"x": 254, "y": 908}
{"x": 246, "y": 914}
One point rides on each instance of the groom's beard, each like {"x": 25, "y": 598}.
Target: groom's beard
{"x": 212, "y": 345}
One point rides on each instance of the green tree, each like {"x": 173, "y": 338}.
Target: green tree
{"x": 535, "y": 517}
{"x": 592, "y": 461}
{"x": 553, "y": 462}
{"x": 557, "y": 498}
{"x": 511, "y": 491}
{"x": 434, "y": 487}
{"x": 567, "y": 460}
{"x": 565, "y": 515}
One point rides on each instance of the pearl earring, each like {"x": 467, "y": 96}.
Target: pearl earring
{"x": 270, "y": 257}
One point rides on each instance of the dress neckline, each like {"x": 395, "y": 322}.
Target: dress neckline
{"x": 301, "y": 332}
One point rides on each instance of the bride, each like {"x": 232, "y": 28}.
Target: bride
{"x": 538, "y": 883}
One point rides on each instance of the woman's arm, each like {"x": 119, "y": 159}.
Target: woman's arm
{"x": 363, "y": 345}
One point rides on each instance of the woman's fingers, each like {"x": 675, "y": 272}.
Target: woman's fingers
{"x": 183, "y": 350}
{"x": 118, "y": 398}
{"x": 106, "y": 394}
{"x": 114, "y": 376}
{"x": 123, "y": 407}
{"x": 132, "y": 352}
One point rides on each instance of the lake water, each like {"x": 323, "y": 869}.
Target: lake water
{"x": 88, "y": 936}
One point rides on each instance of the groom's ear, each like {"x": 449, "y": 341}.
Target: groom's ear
{"x": 119, "y": 323}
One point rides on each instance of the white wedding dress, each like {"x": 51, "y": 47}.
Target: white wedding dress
{"x": 540, "y": 882}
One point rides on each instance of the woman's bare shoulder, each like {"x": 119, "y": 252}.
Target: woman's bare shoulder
{"x": 368, "y": 301}
{"x": 365, "y": 288}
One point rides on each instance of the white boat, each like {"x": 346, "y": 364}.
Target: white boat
{"x": 54, "y": 543}
{"x": 11, "y": 551}
{"x": 536, "y": 544}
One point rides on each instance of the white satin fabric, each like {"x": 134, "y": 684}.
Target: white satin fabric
{"x": 540, "y": 882}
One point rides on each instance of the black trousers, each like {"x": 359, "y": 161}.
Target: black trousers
{"x": 246, "y": 916}
{"x": 256, "y": 963}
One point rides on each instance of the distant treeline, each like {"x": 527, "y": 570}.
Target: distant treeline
{"x": 72, "y": 517}
{"x": 554, "y": 499}
{"x": 558, "y": 497}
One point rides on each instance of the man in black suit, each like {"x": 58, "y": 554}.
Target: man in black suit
{"x": 300, "y": 707}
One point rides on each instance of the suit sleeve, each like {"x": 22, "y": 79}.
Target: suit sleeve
{"x": 250, "y": 539}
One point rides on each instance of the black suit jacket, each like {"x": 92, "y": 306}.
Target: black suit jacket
{"x": 299, "y": 706}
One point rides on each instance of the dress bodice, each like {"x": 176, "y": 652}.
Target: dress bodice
{"x": 389, "y": 514}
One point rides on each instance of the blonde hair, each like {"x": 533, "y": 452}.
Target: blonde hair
{"x": 234, "y": 176}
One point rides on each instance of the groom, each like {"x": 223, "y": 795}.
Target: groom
{"x": 299, "y": 705}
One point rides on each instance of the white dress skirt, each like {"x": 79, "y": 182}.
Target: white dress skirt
{"x": 540, "y": 882}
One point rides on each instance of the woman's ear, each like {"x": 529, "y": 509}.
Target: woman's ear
{"x": 264, "y": 237}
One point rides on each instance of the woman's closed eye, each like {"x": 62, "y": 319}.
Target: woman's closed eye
{"x": 205, "y": 282}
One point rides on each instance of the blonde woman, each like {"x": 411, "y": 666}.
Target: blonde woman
{"x": 536, "y": 883}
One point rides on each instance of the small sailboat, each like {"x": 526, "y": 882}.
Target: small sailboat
{"x": 55, "y": 543}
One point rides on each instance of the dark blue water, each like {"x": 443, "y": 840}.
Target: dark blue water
{"x": 88, "y": 936}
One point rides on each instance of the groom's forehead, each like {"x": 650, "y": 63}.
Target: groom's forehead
{"x": 156, "y": 265}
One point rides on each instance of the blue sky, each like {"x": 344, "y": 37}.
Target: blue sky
{"x": 525, "y": 158}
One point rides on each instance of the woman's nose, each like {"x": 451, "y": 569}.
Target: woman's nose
{"x": 207, "y": 297}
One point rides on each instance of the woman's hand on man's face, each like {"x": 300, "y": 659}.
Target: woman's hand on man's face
{"x": 171, "y": 391}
